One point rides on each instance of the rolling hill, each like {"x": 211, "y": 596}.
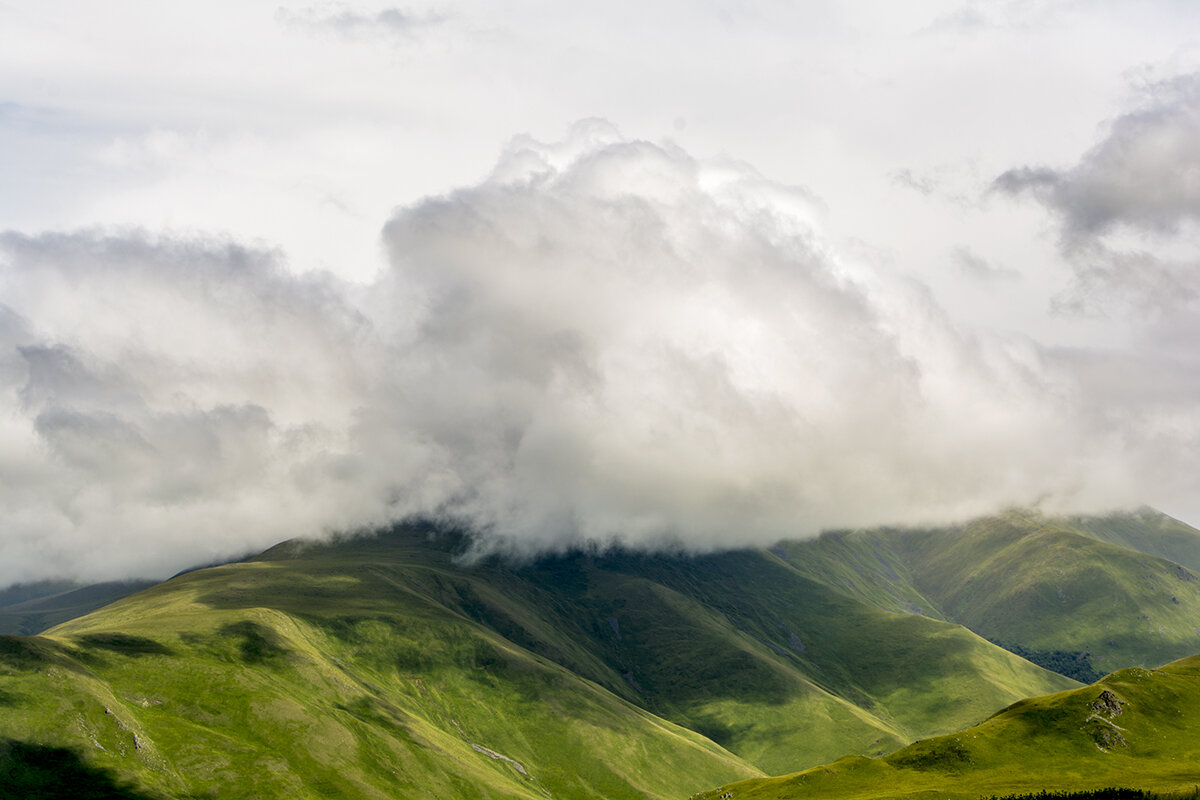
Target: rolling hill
{"x": 1064, "y": 591}
{"x": 382, "y": 666}
{"x": 1135, "y": 728}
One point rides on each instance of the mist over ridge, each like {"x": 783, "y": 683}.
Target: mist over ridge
{"x": 604, "y": 341}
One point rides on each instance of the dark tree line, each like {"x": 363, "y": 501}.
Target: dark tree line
{"x": 1075, "y": 664}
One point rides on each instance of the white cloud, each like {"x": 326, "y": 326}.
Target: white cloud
{"x": 1129, "y": 210}
{"x": 975, "y": 266}
{"x": 606, "y": 340}
{"x": 627, "y": 338}
{"x": 349, "y": 22}
{"x": 1145, "y": 174}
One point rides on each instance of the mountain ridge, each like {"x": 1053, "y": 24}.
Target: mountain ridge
{"x": 383, "y": 663}
{"x": 1035, "y": 583}
{"x": 704, "y": 666}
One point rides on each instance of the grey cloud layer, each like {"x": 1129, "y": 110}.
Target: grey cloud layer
{"x": 604, "y": 341}
{"x": 1129, "y": 203}
{"x": 1142, "y": 175}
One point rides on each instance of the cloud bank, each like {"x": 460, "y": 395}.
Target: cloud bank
{"x": 603, "y": 341}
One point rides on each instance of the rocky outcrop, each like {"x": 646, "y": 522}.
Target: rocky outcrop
{"x": 1108, "y": 704}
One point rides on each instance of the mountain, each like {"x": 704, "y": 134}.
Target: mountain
{"x": 1135, "y": 728}
{"x": 32, "y": 608}
{"x": 1147, "y": 531}
{"x": 384, "y": 666}
{"x": 1065, "y": 592}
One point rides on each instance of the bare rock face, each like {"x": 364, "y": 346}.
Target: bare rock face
{"x": 1108, "y": 738}
{"x": 1100, "y": 726}
{"x": 1108, "y": 705}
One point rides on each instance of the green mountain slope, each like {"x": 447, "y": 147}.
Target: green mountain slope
{"x": 185, "y": 699}
{"x": 1047, "y": 587}
{"x": 737, "y": 646}
{"x": 1135, "y": 728}
{"x": 380, "y": 667}
{"x": 868, "y": 565}
{"x": 1147, "y": 531}
{"x": 1043, "y": 586}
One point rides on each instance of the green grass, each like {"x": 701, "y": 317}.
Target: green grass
{"x": 1136, "y": 728}
{"x": 1146, "y": 531}
{"x": 199, "y": 687}
{"x": 380, "y": 667}
{"x": 32, "y": 772}
{"x": 1071, "y": 590}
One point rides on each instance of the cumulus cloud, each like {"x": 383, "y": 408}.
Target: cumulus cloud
{"x": 1128, "y": 209}
{"x": 162, "y": 399}
{"x": 603, "y": 341}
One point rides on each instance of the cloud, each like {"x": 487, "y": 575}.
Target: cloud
{"x": 1126, "y": 211}
{"x": 976, "y": 266}
{"x": 945, "y": 183}
{"x": 603, "y": 341}
{"x": 1144, "y": 175}
{"x": 347, "y": 22}
{"x": 924, "y": 184}
{"x": 975, "y": 16}
{"x": 160, "y": 397}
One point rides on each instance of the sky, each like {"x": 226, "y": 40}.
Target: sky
{"x": 671, "y": 275}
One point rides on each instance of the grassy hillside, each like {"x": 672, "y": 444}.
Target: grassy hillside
{"x": 1135, "y": 728}
{"x": 737, "y": 646}
{"x": 1042, "y": 584}
{"x": 867, "y": 565}
{"x": 1146, "y": 531}
{"x": 1048, "y": 588}
{"x": 379, "y": 667}
{"x": 185, "y": 693}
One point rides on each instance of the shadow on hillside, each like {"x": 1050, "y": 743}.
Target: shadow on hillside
{"x": 124, "y": 644}
{"x": 36, "y": 772}
{"x": 257, "y": 644}
{"x": 32, "y": 653}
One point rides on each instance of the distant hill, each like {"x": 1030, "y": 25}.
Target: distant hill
{"x": 32, "y": 608}
{"x": 1069, "y": 593}
{"x": 1146, "y": 531}
{"x": 1136, "y": 728}
{"x": 381, "y": 667}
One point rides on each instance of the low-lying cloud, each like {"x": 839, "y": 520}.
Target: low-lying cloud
{"x": 604, "y": 341}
